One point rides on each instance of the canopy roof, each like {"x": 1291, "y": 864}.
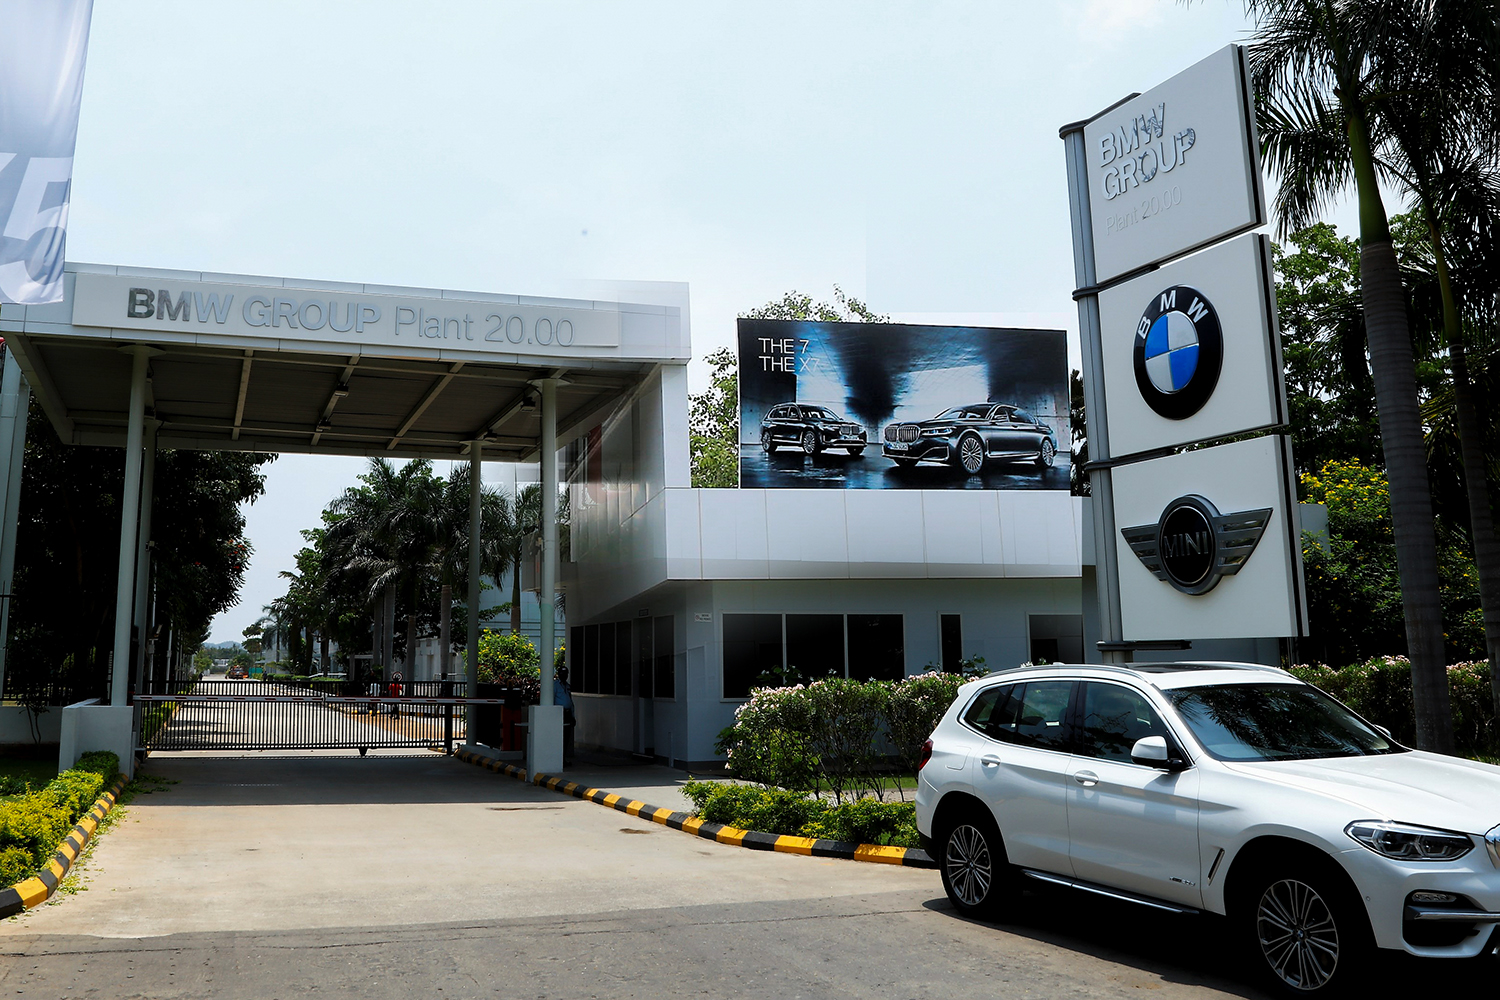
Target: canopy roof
{"x": 283, "y": 365}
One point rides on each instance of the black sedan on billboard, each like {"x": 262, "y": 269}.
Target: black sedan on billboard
{"x": 968, "y": 436}
{"x": 811, "y": 428}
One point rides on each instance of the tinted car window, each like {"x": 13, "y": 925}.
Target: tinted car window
{"x": 963, "y": 413}
{"x": 1022, "y": 417}
{"x": 982, "y": 715}
{"x": 1275, "y": 722}
{"x": 1039, "y": 716}
{"x": 1114, "y": 717}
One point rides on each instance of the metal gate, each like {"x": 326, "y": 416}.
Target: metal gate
{"x": 304, "y": 715}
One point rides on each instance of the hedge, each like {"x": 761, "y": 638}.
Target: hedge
{"x": 801, "y": 814}
{"x": 32, "y": 826}
{"x": 1380, "y": 690}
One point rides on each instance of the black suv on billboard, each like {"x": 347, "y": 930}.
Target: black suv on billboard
{"x": 966, "y": 436}
{"x": 811, "y": 428}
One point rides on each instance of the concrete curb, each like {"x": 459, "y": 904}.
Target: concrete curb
{"x": 37, "y": 890}
{"x": 908, "y": 857}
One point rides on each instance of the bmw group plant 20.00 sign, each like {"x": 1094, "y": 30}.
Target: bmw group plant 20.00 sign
{"x": 1175, "y": 168}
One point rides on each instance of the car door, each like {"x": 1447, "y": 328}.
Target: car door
{"x": 1130, "y": 826}
{"x": 780, "y": 423}
{"x": 1001, "y": 432}
{"x": 1021, "y": 769}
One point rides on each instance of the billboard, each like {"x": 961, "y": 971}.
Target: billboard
{"x": 897, "y": 406}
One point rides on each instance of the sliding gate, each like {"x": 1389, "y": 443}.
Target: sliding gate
{"x": 310, "y": 715}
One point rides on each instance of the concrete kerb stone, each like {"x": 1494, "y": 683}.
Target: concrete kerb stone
{"x": 37, "y": 890}
{"x": 908, "y": 857}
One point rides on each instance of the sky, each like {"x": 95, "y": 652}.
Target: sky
{"x": 906, "y": 152}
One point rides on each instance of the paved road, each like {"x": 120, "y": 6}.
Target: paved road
{"x": 397, "y": 876}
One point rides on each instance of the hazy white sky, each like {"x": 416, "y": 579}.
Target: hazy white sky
{"x": 905, "y": 151}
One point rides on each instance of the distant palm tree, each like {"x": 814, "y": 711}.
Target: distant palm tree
{"x": 1317, "y": 67}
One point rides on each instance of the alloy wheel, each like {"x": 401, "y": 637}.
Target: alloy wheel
{"x": 1048, "y": 452}
{"x": 1298, "y": 935}
{"x": 970, "y": 868}
{"x": 766, "y": 442}
{"x": 810, "y": 442}
{"x": 971, "y": 454}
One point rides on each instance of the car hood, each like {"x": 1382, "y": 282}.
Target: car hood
{"x": 1416, "y": 787}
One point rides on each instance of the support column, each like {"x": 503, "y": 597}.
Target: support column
{"x": 130, "y": 503}
{"x": 476, "y": 533}
{"x": 143, "y": 547}
{"x": 15, "y": 398}
{"x": 544, "y": 736}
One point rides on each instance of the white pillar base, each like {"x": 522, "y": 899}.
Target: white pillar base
{"x": 544, "y": 740}
{"x": 89, "y": 725}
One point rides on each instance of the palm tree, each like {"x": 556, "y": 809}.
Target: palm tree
{"x": 1438, "y": 108}
{"x": 1317, "y": 67}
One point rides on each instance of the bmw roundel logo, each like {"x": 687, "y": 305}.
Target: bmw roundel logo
{"x": 1179, "y": 349}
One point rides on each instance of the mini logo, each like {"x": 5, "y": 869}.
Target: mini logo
{"x": 1179, "y": 349}
{"x": 1192, "y": 546}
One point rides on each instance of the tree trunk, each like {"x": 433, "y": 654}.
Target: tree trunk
{"x": 1476, "y": 468}
{"x": 1394, "y": 371}
{"x": 327, "y": 628}
{"x": 515, "y": 595}
{"x": 445, "y": 629}
{"x": 409, "y": 659}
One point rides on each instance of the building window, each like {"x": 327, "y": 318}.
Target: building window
{"x": 1056, "y": 638}
{"x": 590, "y": 683}
{"x": 877, "y": 648}
{"x": 622, "y": 657}
{"x": 951, "y": 642}
{"x": 575, "y": 658}
{"x": 665, "y": 656}
{"x": 645, "y": 665}
{"x": 753, "y": 648}
{"x": 814, "y": 647}
{"x": 771, "y": 650}
{"x": 606, "y": 658}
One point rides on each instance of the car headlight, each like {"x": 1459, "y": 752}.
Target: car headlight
{"x": 937, "y": 431}
{"x": 1405, "y": 842}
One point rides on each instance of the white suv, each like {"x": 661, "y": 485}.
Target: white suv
{"x": 1215, "y": 787}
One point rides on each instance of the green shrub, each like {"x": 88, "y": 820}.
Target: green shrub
{"x": 1380, "y": 690}
{"x": 915, "y": 706}
{"x": 799, "y": 814}
{"x": 32, "y": 826}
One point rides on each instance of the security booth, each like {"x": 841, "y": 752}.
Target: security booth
{"x": 149, "y": 359}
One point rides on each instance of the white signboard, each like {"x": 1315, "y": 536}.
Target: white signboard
{"x": 1191, "y": 351}
{"x": 194, "y": 312}
{"x": 1208, "y": 545}
{"x": 1176, "y": 168}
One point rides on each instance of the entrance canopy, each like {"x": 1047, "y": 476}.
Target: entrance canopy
{"x": 240, "y": 362}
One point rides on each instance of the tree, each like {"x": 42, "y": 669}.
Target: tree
{"x": 1316, "y": 68}
{"x": 67, "y": 551}
{"x": 714, "y": 424}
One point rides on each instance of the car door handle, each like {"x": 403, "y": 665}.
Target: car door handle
{"x": 989, "y": 760}
{"x": 1088, "y": 779}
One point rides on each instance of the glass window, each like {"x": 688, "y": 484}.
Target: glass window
{"x": 644, "y": 660}
{"x": 1022, "y": 417}
{"x": 978, "y": 412}
{"x": 752, "y": 651}
{"x": 1043, "y": 709}
{"x": 951, "y": 642}
{"x": 622, "y": 657}
{"x": 814, "y": 648}
{"x": 993, "y": 712}
{"x": 1114, "y": 717}
{"x": 575, "y": 657}
{"x": 877, "y": 647}
{"x": 607, "y": 658}
{"x": 590, "y": 683}
{"x": 1275, "y": 722}
{"x": 665, "y": 653}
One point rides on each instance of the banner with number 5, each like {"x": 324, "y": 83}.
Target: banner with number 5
{"x": 42, "y": 49}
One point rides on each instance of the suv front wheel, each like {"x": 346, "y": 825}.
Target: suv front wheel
{"x": 977, "y": 875}
{"x": 1306, "y": 931}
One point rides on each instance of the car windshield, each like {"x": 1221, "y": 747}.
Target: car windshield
{"x": 818, "y": 413}
{"x": 965, "y": 413}
{"x": 1275, "y": 722}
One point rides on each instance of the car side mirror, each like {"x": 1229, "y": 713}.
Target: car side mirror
{"x": 1152, "y": 751}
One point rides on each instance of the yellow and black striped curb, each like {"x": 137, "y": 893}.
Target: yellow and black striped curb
{"x": 909, "y": 857}
{"x": 35, "y": 891}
